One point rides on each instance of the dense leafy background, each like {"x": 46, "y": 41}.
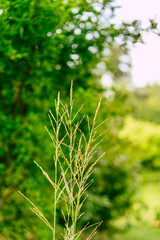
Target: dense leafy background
{"x": 43, "y": 46}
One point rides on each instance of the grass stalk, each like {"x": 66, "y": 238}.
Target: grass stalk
{"x": 73, "y": 161}
{"x": 56, "y": 161}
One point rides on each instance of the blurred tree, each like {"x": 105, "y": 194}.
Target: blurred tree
{"x": 143, "y": 127}
{"x": 144, "y": 103}
{"x": 145, "y": 136}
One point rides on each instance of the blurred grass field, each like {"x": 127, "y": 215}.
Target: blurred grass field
{"x": 140, "y": 232}
{"x": 144, "y": 230}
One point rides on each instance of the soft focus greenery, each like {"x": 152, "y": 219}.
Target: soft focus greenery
{"x": 143, "y": 130}
{"x": 144, "y": 103}
{"x": 44, "y": 45}
{"x": 144, "y": 135}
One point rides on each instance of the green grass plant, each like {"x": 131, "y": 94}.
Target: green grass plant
{"x": 74, "y": 162}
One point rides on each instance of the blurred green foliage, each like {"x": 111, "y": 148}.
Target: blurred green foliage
{"x": 146, "y": 136}
{"x": 43, "y": 46}
{"x": 144, "y": 103}
{"x": 142, "y": 127}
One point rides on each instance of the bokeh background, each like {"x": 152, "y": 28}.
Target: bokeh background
{"x": 44, "y": 45}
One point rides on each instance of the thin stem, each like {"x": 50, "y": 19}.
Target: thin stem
{"x": 56, "y": 161}
{"x": 76, "y": 213}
